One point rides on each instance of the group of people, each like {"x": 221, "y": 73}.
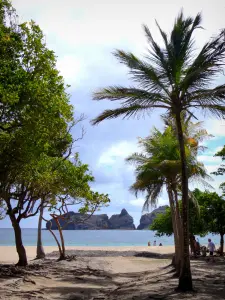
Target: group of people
{"x": 196, "y": 249}
{"x": 154, "y": 244}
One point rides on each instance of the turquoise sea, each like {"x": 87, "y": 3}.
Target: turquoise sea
{"x": 93, "y": 238}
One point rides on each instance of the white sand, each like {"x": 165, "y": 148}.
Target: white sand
{"x": 8, "y": 254}
{"x": 106, "y": 277}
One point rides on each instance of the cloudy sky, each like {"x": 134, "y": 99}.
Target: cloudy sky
{"x": 83, "y": 34}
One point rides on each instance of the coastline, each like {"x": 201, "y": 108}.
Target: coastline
{"x": 8, "y": 254}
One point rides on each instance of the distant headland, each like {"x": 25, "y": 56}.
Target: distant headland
{"x": 122, "y": 221}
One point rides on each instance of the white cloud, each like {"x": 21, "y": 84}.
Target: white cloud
{"x": 215, "y": 127}
{"x": 137, "y": 202}
{"x": 82, "y": 29}
{"x": 71, "y": 69}
{"x": 207, "y": 159}
{"x": 117, "y": 153}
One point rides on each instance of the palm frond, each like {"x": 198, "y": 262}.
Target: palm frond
{"x": 126, "y": 112}
{"x": 206, "y": 66}
{"x": 158, "y": 57}
{"x": 153, "y": 194}
{"x": 194, "y": 201}
{"x": 144, "y": 74}
{"x": 137, "y": 158}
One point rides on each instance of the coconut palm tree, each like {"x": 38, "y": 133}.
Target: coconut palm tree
{"x": 176, "y": 79}
{"x": 159, "y": 166}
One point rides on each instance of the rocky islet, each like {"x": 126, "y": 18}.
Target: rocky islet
{"x": 122, "y": 221}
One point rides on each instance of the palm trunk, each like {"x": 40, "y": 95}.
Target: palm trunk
{"x": 40, "y": 249}
{"x": 179, "y": 225}
{"x": 185, "y": 279}
{"x": 19, "y": 243}
{"x": 176, "y": 261}
{"x": 221, "y": 243}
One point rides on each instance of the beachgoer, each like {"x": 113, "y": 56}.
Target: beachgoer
{"x": 204, "y": 251}
{"x": 192, "y": 245}
{"x": 197, "y": 247}
{"x": 160, "y": 244}
{"x": 154, "y": 243}
{"x": 149, "y": 244}
{"x": 212, "y": 249}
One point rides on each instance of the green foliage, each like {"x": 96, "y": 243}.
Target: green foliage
{"x": 211, "y": 217}
{"x": 159, "y": 164}
{"x": 35, "y": 109}
{"x": 197, "y": 224}
{"x": 221, "y": 169}
{"x": 162, "y": 224}
{"x": 35, "y": 122}
{"x": 212, "y": 211}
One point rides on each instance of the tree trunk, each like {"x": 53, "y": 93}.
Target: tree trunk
{"x": 55, "y": 237}
{"x": 40, "y": 249}
{"x": 185, "y": 279}
{"x": 176, "y": 260}
{"x": 19, "y": 243}
{"x": 57, "y": 242}
{"x": 179, "y": 225}
{"x": 221, "y": 244}
{"x": 63, "y": 253}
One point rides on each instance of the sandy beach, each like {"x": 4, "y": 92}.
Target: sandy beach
{"x": 100, "y": 273}
{"x": 8, "y": 254}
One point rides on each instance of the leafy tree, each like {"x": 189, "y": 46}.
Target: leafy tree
{"x": 162, "y": 224}
{"x": 213, "y": 213}
{"x": 211, "y": 217}
{"x": 93, "y": 201}
{"x": 35, "y": 118}
{"x": 176, "y": 79}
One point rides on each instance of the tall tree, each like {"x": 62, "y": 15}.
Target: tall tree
{"x": 35, "y": 118}
{"x": 159, "y": 166}
{"x": 174, "y": 78}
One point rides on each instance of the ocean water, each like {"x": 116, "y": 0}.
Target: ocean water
{"x": 93, "y": 238}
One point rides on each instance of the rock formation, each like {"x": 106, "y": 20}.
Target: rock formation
{"x": 121, "y": 221}
{"x": 147, "y": 219}
{"x": 94, "y": 222}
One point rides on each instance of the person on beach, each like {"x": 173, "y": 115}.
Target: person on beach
{"x": 160, "y": 244}
{"x": 149, "y": 244}
{"x": 192, "y": 245}
{"x": 212, "y": 249}
{"x": 154, "y": 243}
{"x": 203, "y": 249}
{"x": 197, "y": 247}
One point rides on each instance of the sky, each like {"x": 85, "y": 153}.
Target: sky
{"x": 83, "y": 35}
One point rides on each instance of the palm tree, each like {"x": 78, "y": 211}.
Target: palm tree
{"x": 159, "y": 165}
{"x": 172, "y": 78}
